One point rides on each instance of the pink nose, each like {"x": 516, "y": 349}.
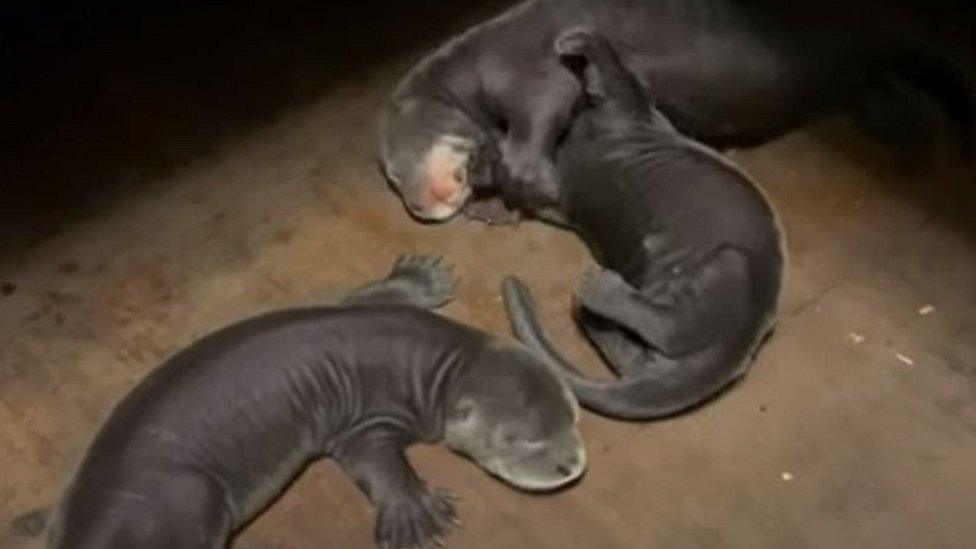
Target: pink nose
{"x": 441, "y": 190}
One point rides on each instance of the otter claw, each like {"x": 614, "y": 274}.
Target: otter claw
{"x": 419, "y": 521}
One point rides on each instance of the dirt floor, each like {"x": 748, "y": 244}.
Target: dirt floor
{"x": 855, "y": 428}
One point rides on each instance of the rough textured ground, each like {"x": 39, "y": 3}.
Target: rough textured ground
{"x": 855, "y": 428}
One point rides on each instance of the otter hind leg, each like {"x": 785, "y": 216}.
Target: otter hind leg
{"x": 623, "y": 351}
{"x": 159, "y": 509}
{"x": 692, "y": 309}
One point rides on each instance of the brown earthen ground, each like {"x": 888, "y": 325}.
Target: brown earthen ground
{"x": 855, "y": 428}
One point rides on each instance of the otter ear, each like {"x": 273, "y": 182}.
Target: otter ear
{"x": 590, "y": 79}
{"x": 575, "y": 48}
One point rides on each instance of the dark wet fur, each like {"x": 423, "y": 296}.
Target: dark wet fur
{"x": 690, "y": 251}
{"x": 726, "y": 73}
{"x": 214, "y": 434}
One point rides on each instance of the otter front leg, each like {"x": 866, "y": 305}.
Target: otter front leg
{"x": 420, "y": 280}
{"x": 531, "y": 181}
{"x": 408, "y": 513}
{"x": 541, "y": 114}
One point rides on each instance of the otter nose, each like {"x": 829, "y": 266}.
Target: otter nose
{"x": 442, "y": 191}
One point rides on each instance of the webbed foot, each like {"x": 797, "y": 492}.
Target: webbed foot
{"x": 434, "y": 279}
{"x": 418, "y": 521}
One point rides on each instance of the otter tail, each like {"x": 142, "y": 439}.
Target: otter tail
{"x": 898, "y": 80}
{"x": 633, "y": 398}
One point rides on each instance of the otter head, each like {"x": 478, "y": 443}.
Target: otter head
{"x": 515, "y": 417}
{"x": 431, "y": 152}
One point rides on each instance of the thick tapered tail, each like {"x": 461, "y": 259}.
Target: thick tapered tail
{"x": 525, "y": 323}
{"x": 633, "y": 398}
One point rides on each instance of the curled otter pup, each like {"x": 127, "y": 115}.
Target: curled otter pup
{"x": 691, "y": 252}
{"x": 215, "y": 433}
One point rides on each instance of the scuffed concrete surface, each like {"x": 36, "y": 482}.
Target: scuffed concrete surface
{"x": 833, "y": 440}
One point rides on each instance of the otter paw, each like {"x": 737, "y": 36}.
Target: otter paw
{"x": 531, "y": 183}
{"x": 420, "y": 521}
{"x": 433, "y": 279}
{"x": 575, "y": 42}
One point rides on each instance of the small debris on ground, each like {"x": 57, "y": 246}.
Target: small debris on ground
{"x": 905, "y": 359}
{"x": 30, "y": 524}
{"x": 856, "y": 339}
{"x": 786, "y": 476}
{"x": 8, "y": 288}
{"x": 926, "y": 310}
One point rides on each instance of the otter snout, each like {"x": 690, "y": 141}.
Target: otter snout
{"x": 562, "y": 462}
{"x": 440, "y": 186}
{"x": 437, "y": 201}
{"x": 573, "y": 467}
{"x": 443, "y": 191}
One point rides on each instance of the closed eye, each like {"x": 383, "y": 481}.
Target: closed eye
{"x": 532, "y": 445}
{"x": 513, "y": 439}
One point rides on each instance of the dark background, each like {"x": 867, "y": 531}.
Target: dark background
{"x": 100, "y": 96}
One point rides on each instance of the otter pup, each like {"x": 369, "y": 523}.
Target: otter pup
{"x": 215, "y": 433}
{"x": 691, "y": 252}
